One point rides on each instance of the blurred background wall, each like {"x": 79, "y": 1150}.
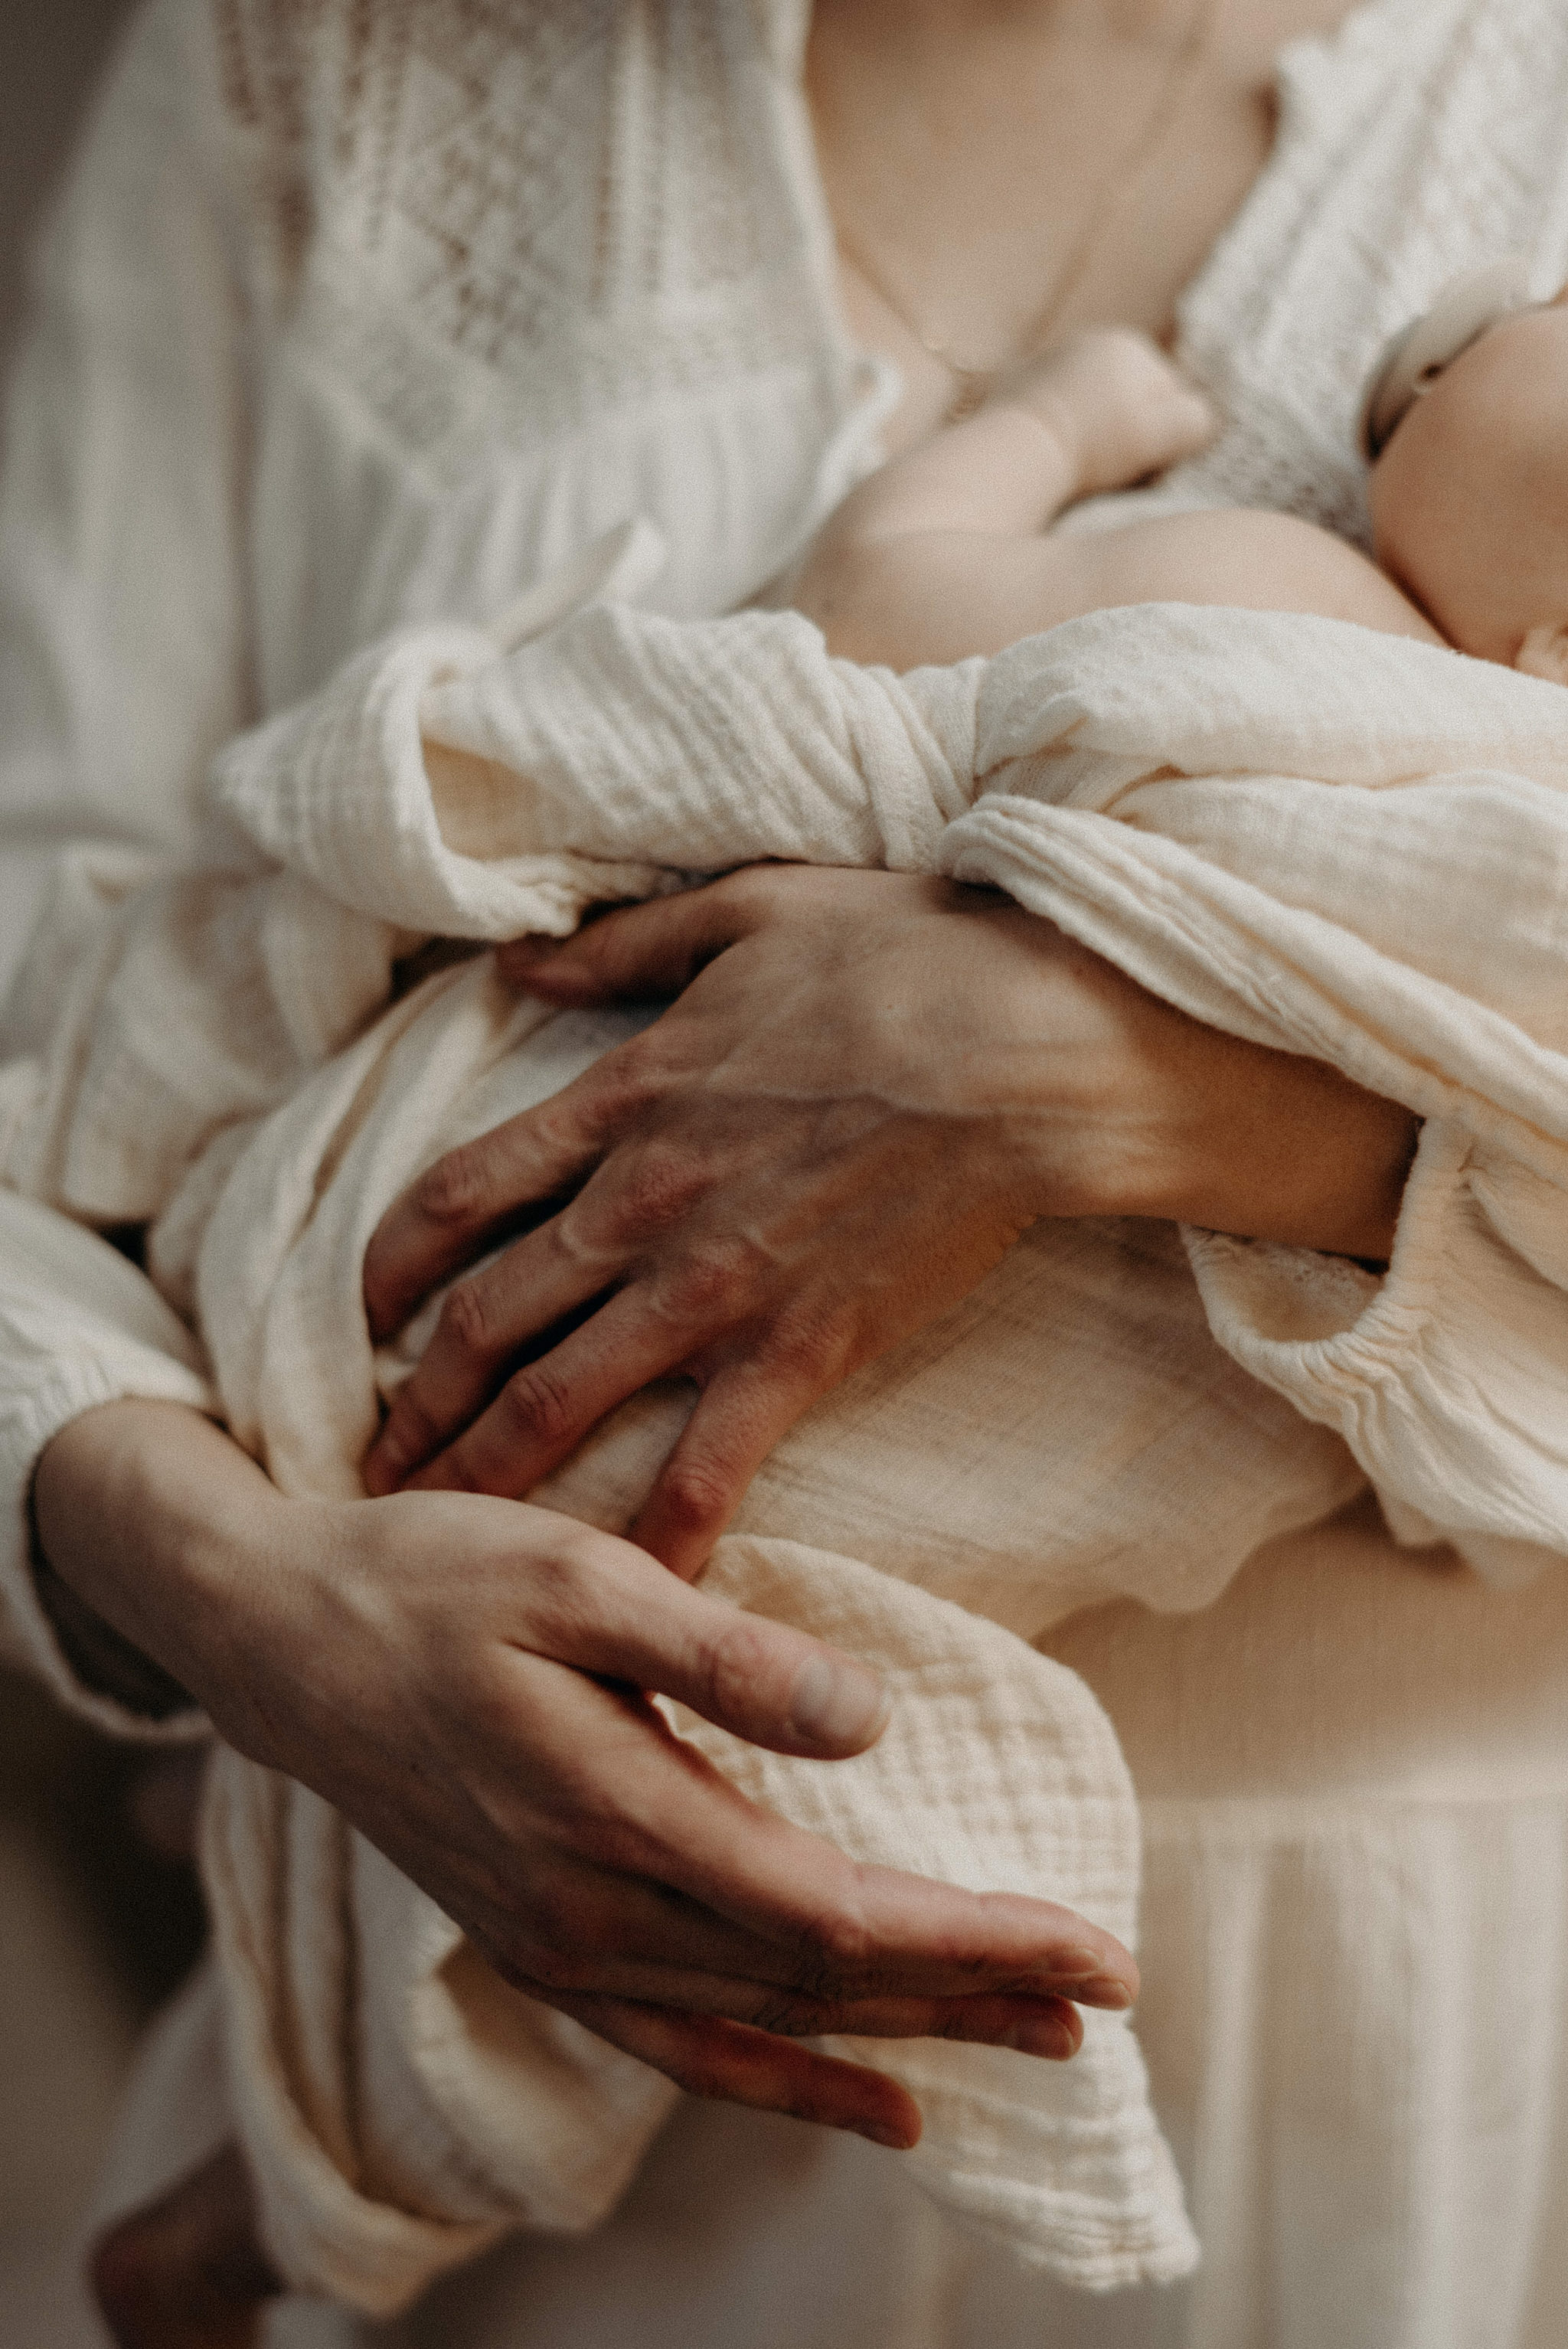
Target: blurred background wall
{"x": 94, "y": 1929}
{"x": 51, "y": 51}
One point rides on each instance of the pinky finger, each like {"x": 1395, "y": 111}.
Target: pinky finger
{"x": 733, "y": 2063}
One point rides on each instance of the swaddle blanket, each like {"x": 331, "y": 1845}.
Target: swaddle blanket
{"x": 1327, "y": 839}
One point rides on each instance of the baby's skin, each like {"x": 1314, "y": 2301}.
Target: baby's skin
{"x": 947, "y": 551}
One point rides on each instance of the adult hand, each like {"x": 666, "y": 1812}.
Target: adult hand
{"x": 870, "y": 1084}
{"x": 463, "y": 1678}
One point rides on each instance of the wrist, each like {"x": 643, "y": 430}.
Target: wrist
{"x": 1134, "y": 1108}
{"x": 158, "y": 1524}
{"x": 1272, "y": 1145}
{"x": 1092, "y": 1070}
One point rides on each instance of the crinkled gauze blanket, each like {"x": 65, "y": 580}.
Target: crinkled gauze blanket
{"x": 1329, "y": 841}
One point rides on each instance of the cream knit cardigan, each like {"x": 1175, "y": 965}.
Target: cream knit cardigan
{"x": 346, "y": 405}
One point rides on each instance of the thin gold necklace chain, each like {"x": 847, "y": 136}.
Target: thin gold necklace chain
{"x": 971, "y": 383}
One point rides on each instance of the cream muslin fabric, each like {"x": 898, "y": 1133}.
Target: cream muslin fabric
{"x": 402, "y": 2107}
{"x": 1157, "y": 779}
{"x": 1353, "y": 1775}
{"x": 326, "y": 348}
{"x": 1328, "y": 840}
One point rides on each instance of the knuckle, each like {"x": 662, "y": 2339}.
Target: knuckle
{"x": 737, "y": 1669}
{"x": 379, "y": 1279}
{"x": 806, "y": 1351}
{"x": 839, "y": 1941}
{"x": 663, "y": 1183}
{"x": 534, "y": 1963}
{"x": 788, "y": 2017}
{"x": 701, "y": 2070}
{"x": 555, "y": 1967}
{"x": 562, "y": 1615}
{"x": 694, "y": 1496}
{"x": 536, "y": 1405}
{"x": 412, "y": 1432}
{"x": 715, "y": 1280}
{"x": 621, "y": 1844}
{"x": 465, "y": 1327}
{"x": 706, "y": 1287}
{"x": 749, "y": 891}
{"x": 458, "y": 1471}
{"x": 815, "y": 1976}
{"x": 562, "y": 1584}
{"x": 578, "y": 1242}
{"x": 627, "y": 1079}
{"x": 694, "y": 2077}
{"x": 456, "y": 1189}
{"x": 553, "y": 1943}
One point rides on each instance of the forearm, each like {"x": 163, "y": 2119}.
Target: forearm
{"x": 153, "y": 1520}
{"x": 1268, "y": 1145}
{"x": 1133, "y": 1108}
{"x": 1003, "y": 472}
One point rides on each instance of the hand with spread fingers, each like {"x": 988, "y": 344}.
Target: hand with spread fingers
{"x": 869, "y": 1084}
{"x": 600, "y": 1864}
{"x": 467, "y": 1680}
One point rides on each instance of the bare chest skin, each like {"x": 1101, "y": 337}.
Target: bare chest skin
{"x": 969, "y": 148}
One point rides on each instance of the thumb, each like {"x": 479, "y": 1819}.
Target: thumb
{"x": 637, "y": 953}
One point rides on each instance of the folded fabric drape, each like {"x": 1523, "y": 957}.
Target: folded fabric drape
{"x": 1329, "y": 840}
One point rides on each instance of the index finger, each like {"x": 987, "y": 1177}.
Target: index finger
{"x": 651, "y": 1806}
{"x": 841, "y": 1927}
{"x": 474, "y": 1195}
{"x": 733, "y": 2063}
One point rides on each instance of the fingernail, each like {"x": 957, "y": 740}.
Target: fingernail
{"x": 1050, "y": 2037}
{"x": 1076, "y": 1965}
{"x": 1106, "y": 1992}
{"x": 837, "y": 1704}
{"x": 899, "y": 2140}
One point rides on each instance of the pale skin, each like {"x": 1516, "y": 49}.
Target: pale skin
{"x": 413, "y": 1657}
{"x": 945, "y": 551}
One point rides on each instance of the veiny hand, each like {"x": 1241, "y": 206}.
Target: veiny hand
{"x": 870, "y": 1086}
{"x": 463, "y": 1678}
{"x": 475, "y": 1705}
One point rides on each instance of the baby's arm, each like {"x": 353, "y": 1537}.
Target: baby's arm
{"x": 942, "y": 554}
